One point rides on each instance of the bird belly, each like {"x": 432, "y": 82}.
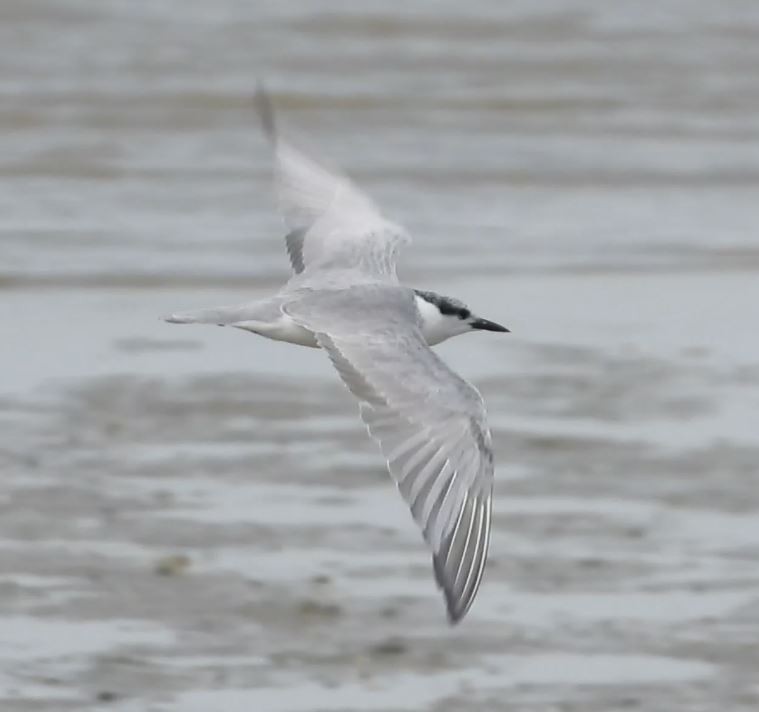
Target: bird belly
{"x": 283, "y": 329}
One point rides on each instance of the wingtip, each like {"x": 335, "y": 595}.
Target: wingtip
{"x": 454, "y": 611}
{"x": 454, "y": 617}
{"x": 265, "y": 110}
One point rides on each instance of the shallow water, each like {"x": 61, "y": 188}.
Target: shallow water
{"x": 193, "y": 519}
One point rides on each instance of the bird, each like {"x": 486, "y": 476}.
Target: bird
{"x": 344, "y": 297}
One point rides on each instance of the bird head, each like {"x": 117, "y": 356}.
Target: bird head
{"x": 444, "y": 317}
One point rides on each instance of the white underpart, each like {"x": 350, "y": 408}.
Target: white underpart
{"x": 284, "y": 329}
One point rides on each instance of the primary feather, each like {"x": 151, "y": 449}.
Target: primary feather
{"x": 430, "y": 423}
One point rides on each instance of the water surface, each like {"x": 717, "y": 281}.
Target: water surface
{"x": 193, "y": 519}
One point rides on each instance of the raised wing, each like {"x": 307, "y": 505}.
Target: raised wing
{"x": 430, "y": 423}
{"x": 332, "y": 223}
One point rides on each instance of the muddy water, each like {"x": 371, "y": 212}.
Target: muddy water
{"x": 193, "y": 519}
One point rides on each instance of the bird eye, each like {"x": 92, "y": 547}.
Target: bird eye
{"x": 465, "y": 314}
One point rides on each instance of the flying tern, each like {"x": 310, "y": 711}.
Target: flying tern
{"x": 345, "y": 298}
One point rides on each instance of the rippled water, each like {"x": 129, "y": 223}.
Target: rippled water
{"x": 586, "y": 173}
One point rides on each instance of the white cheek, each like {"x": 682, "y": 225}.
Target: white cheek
{"x": 428, "y": 312}
{"x": 435, "y": 326}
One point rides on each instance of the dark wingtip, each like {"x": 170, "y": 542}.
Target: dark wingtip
{"x": 454, "y": 617}
{"x": 453, "y": 609}
{"x": 265, "y": 111}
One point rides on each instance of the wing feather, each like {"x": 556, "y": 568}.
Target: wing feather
{"x": 332, "y": 223}
{"x": 294, "y": 241}
{"x": 429, "y": 422}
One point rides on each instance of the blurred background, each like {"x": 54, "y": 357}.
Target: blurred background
{"x": 193, "y": 519}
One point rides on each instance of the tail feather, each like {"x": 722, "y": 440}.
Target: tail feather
{"x": 267, "y": 310}
{"x": 219, "y": 315}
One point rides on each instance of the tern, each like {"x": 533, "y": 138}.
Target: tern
{"x": 345, "y": 298}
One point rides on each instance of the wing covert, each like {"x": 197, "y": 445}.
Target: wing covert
{"x": 430, "y": 424}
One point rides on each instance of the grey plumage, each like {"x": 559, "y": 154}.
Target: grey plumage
{"x": 430, "y": 423}
{"x": 344, "y": 297}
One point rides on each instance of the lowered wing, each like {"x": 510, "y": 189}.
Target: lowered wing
{"x": 430, "y": 423}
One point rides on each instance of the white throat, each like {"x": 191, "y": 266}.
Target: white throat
{"x": 437, "y": 327}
